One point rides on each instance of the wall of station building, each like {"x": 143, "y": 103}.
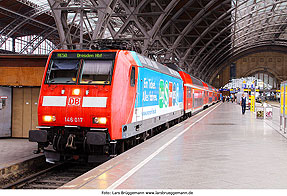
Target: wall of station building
{"x": 20, "y": 81}
{"x": 21, "y": 71}
{"x": 272, "y": 63}
{"x": 18, "y": 111}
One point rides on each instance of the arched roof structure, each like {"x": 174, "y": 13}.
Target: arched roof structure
{"x": 199, "y": 35}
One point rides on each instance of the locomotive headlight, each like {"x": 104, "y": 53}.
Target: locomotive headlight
{"x": 103, "y": 120}
{"x": 49, "y": 118}
{"x": 100, "y": 120}
{"x": 76, "y": 91}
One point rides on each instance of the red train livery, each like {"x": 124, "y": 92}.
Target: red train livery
{"x": 94, "y": 103}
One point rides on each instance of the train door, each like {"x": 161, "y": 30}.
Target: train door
{"x": 193, "y": 106}
{"x": 5, "y": 111}
{"x": 206, "y": 98}
{"x": 186, "y": 97}
{"x": 190, "y": 98}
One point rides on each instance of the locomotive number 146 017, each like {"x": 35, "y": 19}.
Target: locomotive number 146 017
{"x": 73, "y": 119}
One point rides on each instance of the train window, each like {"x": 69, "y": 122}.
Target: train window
{"x": 96, "y": 72}
{"x": 149, "y": 62}
{"x": 62, "y": 71}
{"x": 154, "y": 64}
{"x": 142, "y": 60}
{"x": 196, "y": 81}
{"x": 133, "y": 76}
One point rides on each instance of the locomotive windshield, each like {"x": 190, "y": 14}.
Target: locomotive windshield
{"x": 63, "y": 71}
{"x": 80, "y": 68}
{"x": 96, "y": 72}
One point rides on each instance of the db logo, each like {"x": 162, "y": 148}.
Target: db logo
{"x": 74, "y": 101}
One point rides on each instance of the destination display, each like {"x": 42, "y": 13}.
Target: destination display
{"x": 84, "y": 55}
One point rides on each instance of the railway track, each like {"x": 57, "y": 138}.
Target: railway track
{"x": 60, "y": 174}
{"x": 53, "y": 177}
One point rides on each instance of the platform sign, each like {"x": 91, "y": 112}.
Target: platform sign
{"x": 268, "y": 113}
{"x": 285, "y": 99}
{"x": 283, "y": 110}
{"x": 260, "y": 112}
{"x": 282, "y": 99}
{"x": 252, "y": 105}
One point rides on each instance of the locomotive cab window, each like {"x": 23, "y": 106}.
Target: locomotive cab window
{"x": 96, "y": 72}
{"x": 133, "y": 76}
{"x": 62, "y": 71}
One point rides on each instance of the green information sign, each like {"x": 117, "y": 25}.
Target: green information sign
{"x": 84, "y": 55}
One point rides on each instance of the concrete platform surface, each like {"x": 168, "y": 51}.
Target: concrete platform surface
{"x": 274, "y": 103}
{"x": 13, "y": 151}
{"x": 218, "y": 148}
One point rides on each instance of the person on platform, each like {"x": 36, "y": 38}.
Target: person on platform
{"x": 243, "y": 103}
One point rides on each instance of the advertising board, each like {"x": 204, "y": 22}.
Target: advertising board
{"x": 158, "y": 94}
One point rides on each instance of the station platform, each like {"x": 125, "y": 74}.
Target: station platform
{"x": 15, "y": 150}
{"x": 16, "y": 156}
{"x": 219, "y": 148}
{"x": 274, "y": 103}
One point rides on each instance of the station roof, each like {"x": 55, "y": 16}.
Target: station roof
{"x": 199, "y": 35}
{"x": 20, "y": 18}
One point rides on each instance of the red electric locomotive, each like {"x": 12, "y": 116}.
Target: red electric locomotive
{"x": 93, "y": 102}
